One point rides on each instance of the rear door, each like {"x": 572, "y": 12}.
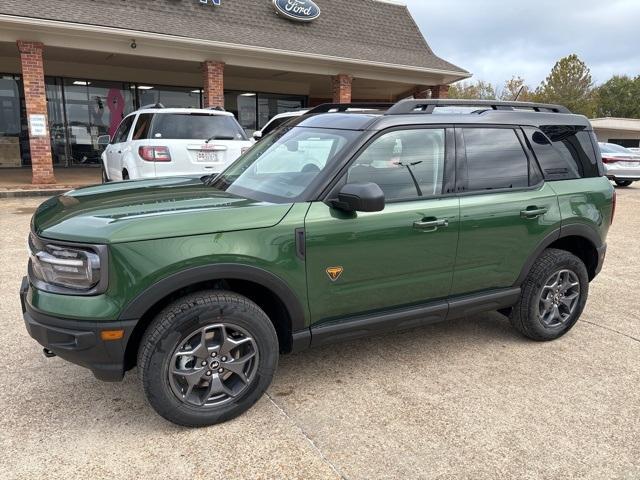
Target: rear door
{"x": 198, "y": 142}
{"x": 506, "y": 209}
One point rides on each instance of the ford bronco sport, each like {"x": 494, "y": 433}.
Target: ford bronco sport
{"x": 335, "y": 226}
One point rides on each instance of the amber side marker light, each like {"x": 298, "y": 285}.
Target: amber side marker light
{"x": 109, "y": 335}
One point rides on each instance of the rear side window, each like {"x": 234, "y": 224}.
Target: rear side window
{"x": 565, "y": 152}
{"x": 196, "y": 126}
{"x": 143, "y": 125}
{"x": 495, "y": 159}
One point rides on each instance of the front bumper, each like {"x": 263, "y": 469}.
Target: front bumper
{"x": 79, "y": 341}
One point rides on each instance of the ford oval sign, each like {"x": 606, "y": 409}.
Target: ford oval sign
{"x": 299, "y": 10}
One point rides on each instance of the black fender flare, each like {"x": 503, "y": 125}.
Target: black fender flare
{"x": 572, "y": 230}
{"x": 137, "y": 307}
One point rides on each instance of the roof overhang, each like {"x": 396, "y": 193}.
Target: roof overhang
{"x": 610, "y": 123}
{"x": 161, "y": 45}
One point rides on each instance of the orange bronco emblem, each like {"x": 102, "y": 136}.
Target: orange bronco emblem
{"x": 334, "y": 273}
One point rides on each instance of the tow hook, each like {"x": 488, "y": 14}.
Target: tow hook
{"x": 48, "y": 353}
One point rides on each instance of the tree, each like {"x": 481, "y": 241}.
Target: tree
{"x": 480, "y": 90}
{"x": 569, "y": 84}
{"x": 619, "y": 97}
{"x": 516, "y": 87}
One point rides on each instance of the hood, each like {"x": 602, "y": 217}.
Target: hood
{"x": 148, "y": 209}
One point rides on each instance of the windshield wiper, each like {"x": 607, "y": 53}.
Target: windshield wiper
{"x": 219, "y": 137}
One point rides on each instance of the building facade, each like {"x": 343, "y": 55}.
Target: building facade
{"x": 622, "y": 131}
{"x": 70, "y": 70}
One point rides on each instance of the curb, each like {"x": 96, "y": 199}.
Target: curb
{"x": 33, "y": 193}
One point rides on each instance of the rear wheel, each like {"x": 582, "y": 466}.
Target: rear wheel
{"x": 553, "y": 296}
{"x": 125, "y": 175}
{"x": 623, "y": 183}
{"x": 207, "y": 358}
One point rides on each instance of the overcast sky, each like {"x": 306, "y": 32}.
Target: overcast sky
{"x": 495, "y": 39}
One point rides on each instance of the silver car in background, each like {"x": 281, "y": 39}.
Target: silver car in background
{"x": 620, "y": 164}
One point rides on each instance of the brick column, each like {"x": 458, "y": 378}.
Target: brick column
{"x": 213, "y": 94}
{"x": 36, "y": 103}
{"x": 421, "y": 93}
{"x": 341, "y": 88}
{"x": 440, "y": 91}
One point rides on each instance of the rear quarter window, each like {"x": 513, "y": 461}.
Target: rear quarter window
{"x": 564, "y": 152}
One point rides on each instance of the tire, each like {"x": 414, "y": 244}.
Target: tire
{"x": 535, "y": 317}
{"x": 623, "y": 183}
{"x": 172, "y": 333}
{"x": 125, "y": 175}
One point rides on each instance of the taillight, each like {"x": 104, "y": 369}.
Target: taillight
{"x": 610, "y": 160}
{"x": 154, "y": 154}
{"x": 613, "y": 207}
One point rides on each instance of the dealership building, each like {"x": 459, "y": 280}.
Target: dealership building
{"x": 70, "y": 70}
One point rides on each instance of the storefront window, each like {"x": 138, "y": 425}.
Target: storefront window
{"x": 92, "y": 109}
{"x": 55, "y": 112}
{"x": 170, "y": 97}
{"x": 14, "y": 139}
{"x": 270, "y": 105}
{"x": 253, "y": 110}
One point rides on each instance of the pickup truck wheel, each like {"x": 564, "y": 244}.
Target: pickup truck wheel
{"x": 553, "y": 296}
{"x": 207, "y": 358}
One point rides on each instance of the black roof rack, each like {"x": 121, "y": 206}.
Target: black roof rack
{"x": 428, "y": 106}
{"x": 343, "y": 107}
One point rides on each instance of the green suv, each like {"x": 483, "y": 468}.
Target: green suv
{"x": 348, "y": 221}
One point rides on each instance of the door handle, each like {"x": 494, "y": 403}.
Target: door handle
{"x": 431, "y": 225}
{"x": 533, "y": 212}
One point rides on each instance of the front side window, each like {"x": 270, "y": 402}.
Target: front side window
{"x": 495, "y": 159}
{"x": 406, "y": 164}
{"x": 196, "y": 126}
{"x": 123, "y": 130}
{"x": 283, "y": 166}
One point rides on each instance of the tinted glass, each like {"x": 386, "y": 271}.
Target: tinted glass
{"x": 123, "y": 130}
{"x": 574, "y": 144}
{"x": 196, "y": 126}
{"x": 169, "y": 97}
{"x": 554, "y": 164}
{"x": 495, "y": 159}
{"x": 405, "y": 164}
{"x": 275, "y": 124}
{"x": 283, "y": 166}
{"x": 143, "y": 125}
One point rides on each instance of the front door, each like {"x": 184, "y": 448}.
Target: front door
{"x": 401, "y": 256}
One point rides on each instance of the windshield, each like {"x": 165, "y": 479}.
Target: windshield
{"x": 196, "y": 126}
{"x": 282, "y": 166}
{"x": 613, "y": 148}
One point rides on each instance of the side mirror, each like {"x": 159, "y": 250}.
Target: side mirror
{"x": 104, "y": 140}
{"x": 257, "y": 135}
{"x": 360, "y": 197}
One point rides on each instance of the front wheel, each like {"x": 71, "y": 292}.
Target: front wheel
{"x": 105, "y": 179}
{"x": 623, "y": 183}
{"x": 207, "y": 358}
{"x": 553, "y": 296}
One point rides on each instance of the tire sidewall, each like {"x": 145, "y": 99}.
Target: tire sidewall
{"x": 566, "y": 261}
{"x": 155, "y": 372}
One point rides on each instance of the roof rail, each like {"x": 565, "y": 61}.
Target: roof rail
{"x": 343, "y": 107}
{"x": 428, "y": 106}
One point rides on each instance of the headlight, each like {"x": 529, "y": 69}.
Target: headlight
{"x": 58, "y": 267}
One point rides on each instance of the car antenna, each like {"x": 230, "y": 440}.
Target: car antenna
{"x": 519, "y": 92}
